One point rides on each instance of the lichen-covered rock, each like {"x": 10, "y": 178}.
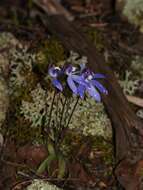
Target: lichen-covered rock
{"x": 7, "y": 43}
{"x": 42, "y": 185}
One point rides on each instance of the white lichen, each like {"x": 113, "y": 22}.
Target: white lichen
{"x": 7, "y": 40}
{"x": 35, "y": 110}
{"x": 42, "y": 185}
{"x": 139, "y": 113}
{"x": 128, "y": 84}
{"x": 90, "y": 119}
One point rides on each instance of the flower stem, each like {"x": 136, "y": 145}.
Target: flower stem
{"x": 74, "y": 107}
{"x": 51, "y": 109}
{"x": 62, "y": 112}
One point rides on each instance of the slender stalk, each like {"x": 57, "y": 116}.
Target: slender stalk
{"x": 64, "y": 129}
{"x": 57, "y": 109}
{"x": 62, "y": 112}
{"x": 67, "y": 109}
{"x": 51, "y": 109}
{"x": 44, "y": 117}
{"x": 74, "y": 107}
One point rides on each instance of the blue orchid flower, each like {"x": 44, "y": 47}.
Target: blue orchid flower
{"x": 55, "y": 72}
{"x": 79, "y": 81}
{"x": 93, "y": 87}
{"x": 73, "y": 79}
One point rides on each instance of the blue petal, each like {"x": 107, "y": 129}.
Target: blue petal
{"x": 99, "y": 76}
{"x": 99, "y": 86}
{"x": 72, "y": 84}
{"x": 51, "y": 72}
{"x": 81, "y": 91}
{"x": 94, "y": 93}
{"x": 79, "y": 79}
{"x": 57, "y": 84}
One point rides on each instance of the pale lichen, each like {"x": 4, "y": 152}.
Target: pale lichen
{"x": 90, "y": 119}
{"x": 42, "y": 185}
{"x": 139, "y": 113}
{"x": 128, "y": 84}
{"x": 35, "y": 110}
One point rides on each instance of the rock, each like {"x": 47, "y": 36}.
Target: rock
{"x": 7, "y": 43}
{"x": 42, "y": 185}
{"x": 32, "y": 155}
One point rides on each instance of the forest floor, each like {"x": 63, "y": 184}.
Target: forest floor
{"x": 121, "y": 44}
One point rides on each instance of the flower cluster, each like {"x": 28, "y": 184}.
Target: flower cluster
{"x": 79, "y": 80}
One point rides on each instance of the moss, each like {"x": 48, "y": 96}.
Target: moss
{"x": 97, "y": 38}
{"x": 22, "y": 133}
{"x": 50, "y": 52}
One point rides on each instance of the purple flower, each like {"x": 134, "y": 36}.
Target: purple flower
{"x": 80, "y": 80}
{"x": 92, "y": 86}
{"x": 73, "y": 79}
{"x": 55, "y": 72}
